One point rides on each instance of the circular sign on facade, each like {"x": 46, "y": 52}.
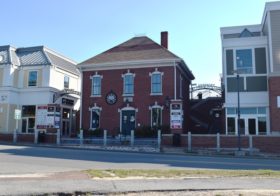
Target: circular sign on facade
{"x": 111, "y": 98}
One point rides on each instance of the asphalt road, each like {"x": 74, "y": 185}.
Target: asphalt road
{"x": 27, "y": 170}
{"x": 28, "y": 160}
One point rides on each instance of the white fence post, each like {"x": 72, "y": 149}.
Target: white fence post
{"x": 105, "y": 138}
{"x": 218, "y": 143}
{"x": 36, "y": 136}
{"x": 58, "y": 137}
{"x": 159, "y": 138}
{"x": 15, "y": 136}
{"x": 81, "y": 137}
{"x": 250, "y": 143}
{"x": 189, "y": 141}
{"x": 132, "y": 138}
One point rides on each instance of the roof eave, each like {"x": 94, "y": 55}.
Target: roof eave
{"x": 87, "y": 65}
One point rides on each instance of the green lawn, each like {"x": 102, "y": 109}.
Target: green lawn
{"x": 180, "y": 173}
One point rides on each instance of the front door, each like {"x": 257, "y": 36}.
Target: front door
{"x": 248, "y": 126}
{"x": 65, "y": 128}
{"x": 28, "y": 125}
{"x": 128, "y": 121}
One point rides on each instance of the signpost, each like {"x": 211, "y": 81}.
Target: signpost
{"x": 41, "y": 116}
{"x": 176, "y": 116}
{"x": 17, "y": 117}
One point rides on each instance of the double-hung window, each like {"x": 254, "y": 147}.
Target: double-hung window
{"x": 32, "y": 78}
{"x": 156, "y": 116}
{"x": 156, "y": 83}
{"x": 128, "y": 84}
{"x": 96, "y": 85}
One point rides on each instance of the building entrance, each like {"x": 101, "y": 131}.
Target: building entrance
{"x": 128, "y": 121}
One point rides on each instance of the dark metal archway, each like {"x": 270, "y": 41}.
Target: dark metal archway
{"x": 205, "y": 87}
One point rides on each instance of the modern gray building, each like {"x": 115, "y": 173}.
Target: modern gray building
{"x": 251, "y": 68}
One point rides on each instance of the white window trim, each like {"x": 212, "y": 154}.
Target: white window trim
{"x": 123, "y": 76}
{"x": 151, "y": 112}
{"x": 92, "y": 77}
{"x": 91, "y": 109}
{"x": 161, "y": 74}
{"x": 36, "y": 79}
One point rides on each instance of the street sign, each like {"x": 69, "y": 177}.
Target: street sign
{"x": 17, "y": 114}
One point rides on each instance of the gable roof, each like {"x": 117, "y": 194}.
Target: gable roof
{"x": 135, "y": 49}
{"x": 36, "y": 56}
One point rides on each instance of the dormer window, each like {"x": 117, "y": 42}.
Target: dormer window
{"x": 32, "y": 78}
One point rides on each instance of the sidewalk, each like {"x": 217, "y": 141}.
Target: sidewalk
{"x": 227, "y": 152}
{"x": 71, "y": 182}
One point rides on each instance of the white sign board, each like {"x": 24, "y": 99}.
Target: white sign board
{"x": 17, "y": 114}
{"x": 176, "y": 116}
{"x": 41, "y": 116}
{"x": 278, "y": 101}
{"x": 176, "y": 119}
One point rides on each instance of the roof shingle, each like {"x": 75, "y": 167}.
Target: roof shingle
{"x": 137, "y": 48}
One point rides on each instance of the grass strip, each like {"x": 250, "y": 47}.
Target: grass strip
{"x": 174, "y": 173}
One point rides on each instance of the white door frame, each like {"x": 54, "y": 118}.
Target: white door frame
{"x": 128, "y": 108}
{"x": 246, "y": 124}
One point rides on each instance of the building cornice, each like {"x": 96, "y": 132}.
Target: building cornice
{"x": 131, "y": 64}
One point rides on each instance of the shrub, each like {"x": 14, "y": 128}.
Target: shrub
{"x": 165, "y": 129}
{"x": 94, "y": 133}
{"x": 145, "y": 131}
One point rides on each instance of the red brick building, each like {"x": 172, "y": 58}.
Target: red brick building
{"x": 137, "y": 83}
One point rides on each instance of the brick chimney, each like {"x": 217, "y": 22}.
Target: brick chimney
{"x": 164, "y": 39}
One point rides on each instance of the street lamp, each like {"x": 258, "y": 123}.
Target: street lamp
{"x": 238, "y": 110}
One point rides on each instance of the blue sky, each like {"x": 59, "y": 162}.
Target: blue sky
{"x": 80, "y": 29}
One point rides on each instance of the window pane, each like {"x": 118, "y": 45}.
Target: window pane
{"x": 66, "y": 82}
{"x": 261, "y": 110}
{"x": 95, "y": 115}
{"x": 244, "y": 61}
{"x": 128, "y": 84}
{"x": 231, "y": 110}
{"x": 32, "y": 80}
{"x": 156, "y": 83}
{"x": 28, "y": 110}
{"x": 96, "y": 86}
{"x": 262, "y": 125}
{"x": 248, "y": 110}
{"x": 156, "y": 117}
{"x": 231, "y": 125}
{"x": 31, "y": 125}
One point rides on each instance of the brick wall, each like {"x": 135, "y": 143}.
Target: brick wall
{"x": 232, "y": 141}
{"x": 274, "y": 91}
{"x": 270, "y": 144}
{"x": 266, "y": 144}
{"x": 6, "y": 137}
{"x": 112, "y": 80}
{"x": 27, "y": 138}
{"x": 50, "y": 139}
{"x": 205, "y": 141}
